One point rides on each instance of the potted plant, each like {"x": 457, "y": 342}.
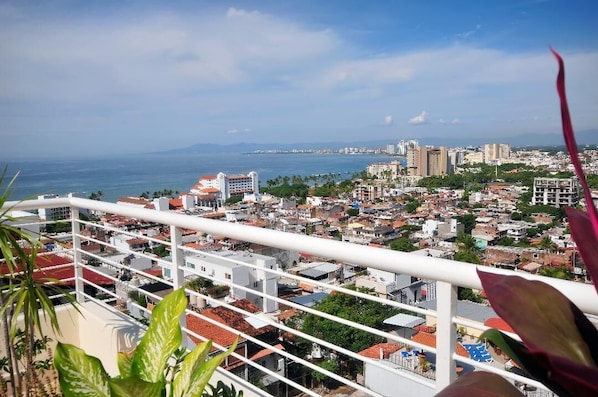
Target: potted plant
{"x": 157, "y": 367}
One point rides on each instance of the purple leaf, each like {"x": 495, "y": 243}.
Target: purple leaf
{"x": 545, "y": 320}
{"x": 572, "y": 145}
{"x": 577, "y": 380}
{"x": 581, "y": 226}
{"x": 480, "y": 383}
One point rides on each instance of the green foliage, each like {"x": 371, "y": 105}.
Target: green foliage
{"x": 403, "y": 244}
{"x": 58, "y": 227}
{"x": 146, "y": 371}
{"x": 467, "y": 294}
{"x": 506, "y": 241}
{"x": 233, "y": 200}
{"x": 412, "y": 206}
{"x": 329, "y": 365}
{"x": 468, "y": 221}
{"x": 160, "y": 250}
{"x": 222, "y": 390}
{"x": 467, "y": 256}
{"x": 561, "y": 272}
{"x": 96, "y": 195}
{"x": 451, "y": 181}
{"x": 352, "y": 308}
{"x": 284, "y": 187}
{"x": 353, "y": 211}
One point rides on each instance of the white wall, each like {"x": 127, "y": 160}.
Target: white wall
{"x": 389, "y": 384}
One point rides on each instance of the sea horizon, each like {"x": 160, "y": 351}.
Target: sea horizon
{"x": 131, "y": 175}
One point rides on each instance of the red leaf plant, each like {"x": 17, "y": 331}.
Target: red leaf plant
{"x": 559, "y": 345}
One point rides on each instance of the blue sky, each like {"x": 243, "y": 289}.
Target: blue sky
{"x": 136, "y": 76}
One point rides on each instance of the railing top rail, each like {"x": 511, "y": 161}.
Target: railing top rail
{"x": 453, "y": 272}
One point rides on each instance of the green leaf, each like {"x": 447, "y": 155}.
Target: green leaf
{"x": 196, "y": 372}
{"x": 79, "y": 374}
{"x": 134, "y": 386}
{"x": 480, "y": 383}
{"x": 533, "y": 364}
{"x": 161, "y": 339}
{"x": 125, "y": 361}
{"x": 530, "y": 307}
{"x": 190, "y": 363}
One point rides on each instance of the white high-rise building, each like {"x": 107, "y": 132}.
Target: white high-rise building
{"x": 404, "y": 146}
{"x": 390, "y": 148}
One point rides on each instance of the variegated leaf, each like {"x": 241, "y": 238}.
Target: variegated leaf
{"x": 125, "y": 360}
{"x": 80, "y": 375}
{"x": 161, "y": 339}
{"x": 135, "y": 387}
{"x": 198, "y": 374}
{"x": 191, "y": 362}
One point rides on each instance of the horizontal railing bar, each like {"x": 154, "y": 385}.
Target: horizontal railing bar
{"x": 457, "y": 273}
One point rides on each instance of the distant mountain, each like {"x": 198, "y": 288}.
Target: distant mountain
{"x": 588, "y": 137}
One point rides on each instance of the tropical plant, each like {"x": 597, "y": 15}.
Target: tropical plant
{"x": 148, "y": 370}
{"x": 23, "y": 292}
{"x": 559, "y": 345}
{"x": 222, "y": 390}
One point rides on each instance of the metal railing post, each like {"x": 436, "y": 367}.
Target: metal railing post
{"x": 77, "y": 257}
{"x": 446, "y": 334}
{"x": 178, "y": 258}
{"x": 176, "y": 269}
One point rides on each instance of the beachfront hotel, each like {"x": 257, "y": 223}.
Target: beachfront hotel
{"x": 226, "y": 186}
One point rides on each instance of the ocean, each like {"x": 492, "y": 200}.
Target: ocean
{"x": 131, "y": 175}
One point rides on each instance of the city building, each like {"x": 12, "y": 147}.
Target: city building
{"x": 390, "y": 148}
{"x": 404, "y": 146}
{"x": 222, "y": 186}
{"x": 224, "y": 265}
{"x": 496, "y": 151}
{"x": 58, "y": 213}
{"x": 557, "y": 192}
{"x": 385, "y": 170}
{"x": 428, "y": 161}
{"x": 474, "y": 158}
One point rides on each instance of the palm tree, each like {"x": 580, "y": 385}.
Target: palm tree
{"x": 22, "y": 293}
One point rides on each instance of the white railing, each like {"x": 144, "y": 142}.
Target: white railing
{"x": 448, "y": 275}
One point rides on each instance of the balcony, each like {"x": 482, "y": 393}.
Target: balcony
{"x": 110, "y": 318}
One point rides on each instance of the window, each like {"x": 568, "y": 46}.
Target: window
{"x": 203, "y": 268}
{"x": 227, "y": 276}
{"x": 255, "y": 284}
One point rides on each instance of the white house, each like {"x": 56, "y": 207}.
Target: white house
{"x": 241, "y": 269}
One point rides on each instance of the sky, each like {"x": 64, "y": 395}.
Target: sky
{"x": 132, "y": 76}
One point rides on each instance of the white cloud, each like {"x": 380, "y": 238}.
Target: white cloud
{"x": 419, "y": 119}
{"x": 456, "y": 121}
{"x": 128, "y": 75}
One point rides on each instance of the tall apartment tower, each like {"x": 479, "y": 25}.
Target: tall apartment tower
{"x": 428, "y": 161}
{"x": 557, "y": 192}
{"x": 496, "y": 151}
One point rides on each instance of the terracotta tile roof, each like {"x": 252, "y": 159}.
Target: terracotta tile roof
{"x": 209, "y": 190}
{"x": 228, "y": 317}
{"x": 47, "y": 261}
{"x": 207, "y": 177}
{"x": 132, "y": 200}
{"x": 175, "y": 203}
{"x": 386, "y": 348}
{"x": 430, "y": 340}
